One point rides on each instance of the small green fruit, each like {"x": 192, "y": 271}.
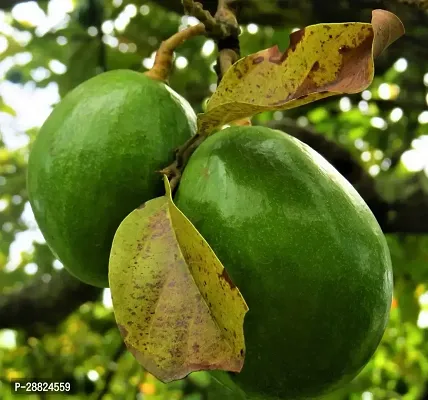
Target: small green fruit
{"x": 95, "y": 160}
{"x": 305, "y": 251}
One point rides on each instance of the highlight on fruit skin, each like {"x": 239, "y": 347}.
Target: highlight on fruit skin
{"x": 95, "y": 160}
{"x": 305, "y": 251}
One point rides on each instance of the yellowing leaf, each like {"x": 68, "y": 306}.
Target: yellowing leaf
{"x": 322, "y": 60}
{"x": 177, "y": 309}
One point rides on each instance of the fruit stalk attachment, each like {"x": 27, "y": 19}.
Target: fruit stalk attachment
{"x": 224, "y": 29}
{"x": 222, "y": 26}
{"x": 182, "y": 155}
{"x": 164, "y": 56}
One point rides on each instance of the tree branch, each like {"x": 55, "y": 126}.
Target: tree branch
{"x": 283, "y": 13}
{"x": 162, "y": 66}
{"x": 39, "y": 305}
{"x": 228, "y": 49}
{"x": 409, "y": 216}
{"x": 5, "y": 4}
{"x": 422, "y": 4}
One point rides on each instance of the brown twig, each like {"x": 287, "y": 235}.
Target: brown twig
{"x": 223, "y": 25}
{"x": 163, "y": 61}
{"x": 216, "y": 28}
{"x": 196, "y": 9}
{"x": 228, "y": 48}
{"x": 225, "y": 30}
{"x": 226, "y": 14}
{"x": 182, "y": 155}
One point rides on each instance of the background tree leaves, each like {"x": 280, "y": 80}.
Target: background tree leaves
{"x": 54, "y": 326}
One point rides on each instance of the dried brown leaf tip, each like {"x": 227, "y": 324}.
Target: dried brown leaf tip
{"x": 387, "y": 29}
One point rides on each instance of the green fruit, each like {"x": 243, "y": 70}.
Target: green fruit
{"x": 304, "y": 249}
{"x": 95, "y": 160}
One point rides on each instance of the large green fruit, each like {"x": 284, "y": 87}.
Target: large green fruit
{"x": 305, "y": 251}
{"x": 95, "y": 160}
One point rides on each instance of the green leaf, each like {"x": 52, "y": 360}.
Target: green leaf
{"x": 6, "y": 108}
{"x": 407, "y": 300}
{"x": 177, "y": 309}
{"x": 322, "y": 60}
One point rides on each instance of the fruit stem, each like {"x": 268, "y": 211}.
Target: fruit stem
{"x": 224, "y": 28}
{"x": 164, "y": 56}
{"x": 182, "y": 155}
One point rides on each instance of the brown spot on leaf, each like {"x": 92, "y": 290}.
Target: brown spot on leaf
{"x": 355, "y": 67}
{"x": 205, "y": 172}
{"x": 195, "y": 347}
{"x": 306, "y": 87}
{"x": 296, "y": 37}
{"x": 353, "y": 72}
{"x": 276, "y": 60}
{"x": 238, "y": 73}
{"x": 224, "y": 275}
{"x": 123, "y": 331}
{"x": 258, "y": 60}
{"x": 142, "y": 206}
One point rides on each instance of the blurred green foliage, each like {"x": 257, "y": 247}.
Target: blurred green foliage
{"x": 377, "y": 128}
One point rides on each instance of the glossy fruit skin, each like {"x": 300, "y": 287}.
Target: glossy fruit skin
{"x": 304, "y": 249}
{"x": 94, "y": 161}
